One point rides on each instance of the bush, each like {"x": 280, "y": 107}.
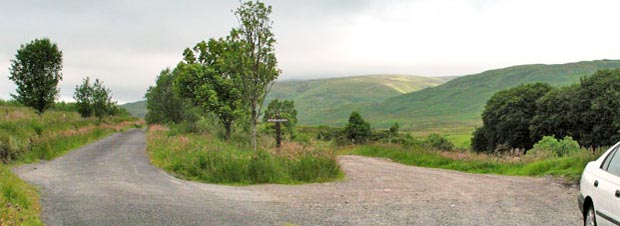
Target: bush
{"x": 438, "y": 142}
{"x": 548, "y": 146}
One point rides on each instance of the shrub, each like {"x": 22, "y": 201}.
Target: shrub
{"x": 438, "y": 142}
{"x": 548, "y": 146}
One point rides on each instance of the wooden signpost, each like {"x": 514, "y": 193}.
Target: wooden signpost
{"x": 278, "y": 121}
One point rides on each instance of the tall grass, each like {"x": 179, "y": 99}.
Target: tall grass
{"x": 204, "y": 157}
{"x": 27, "y": 137}
{"x": 569, "y": 167}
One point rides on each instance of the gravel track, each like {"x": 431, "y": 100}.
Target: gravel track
{"x": 111, "y": 182}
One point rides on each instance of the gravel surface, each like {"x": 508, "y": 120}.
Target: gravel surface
{"x": 111, "y": 182}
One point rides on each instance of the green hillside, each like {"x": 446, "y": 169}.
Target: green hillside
{"x": 318, "y": 99}
{"x": 459, "y": 103}
{"x": 136, "y": 109}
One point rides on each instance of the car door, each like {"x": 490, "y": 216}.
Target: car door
{"x": 607, "y": 199}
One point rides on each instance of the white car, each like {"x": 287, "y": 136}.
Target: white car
{"x": 599, "y": 196}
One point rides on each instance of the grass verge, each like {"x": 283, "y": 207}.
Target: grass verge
{"x": 26, "y": 137}
{"x": 205, "y": 158}
{"x": 569, "y": 167}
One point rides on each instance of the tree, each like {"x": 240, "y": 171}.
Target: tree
{"x": 598, "y": 102}
{"x": 102, "y": 100}
{"x": 37, "y": 70}
{"x": 284, "y": 110}
{"x": 83, "y": 96}
{"x": 163, "y": 104}
{"x": 256, "y": 64}
{"x": 508, "y": 116}
{"x": 207, "y": 80}
{"x": 557, "y": 114}
{"x": 358, "y": 130}
{"x": 394, "y": 128}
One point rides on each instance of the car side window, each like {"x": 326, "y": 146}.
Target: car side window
{"x": 611, "y": 154}
{"x": 614, "y": 165}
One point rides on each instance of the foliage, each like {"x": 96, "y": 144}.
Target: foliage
{"x": 95, "y": 100}
{"x": 205, "y": 158}
{"x": 597, "y": 104}
{"x": 548, "y": 146}
{"x": 207, "y": 80}
{"x": 36, "y": 70}
{"x": 283, "y": 110}
{"x": 84, "y": 98}
{"x": 508, "y": 116}
{"x": 394, "y": 128}
{"x": 587, "y": 111}
{"x": 437, "y": 142}
{"x": 556, "y": 113}
{"x": 256, "y": 65}
{"x": 358, "y": 130}
{"x": 163, "y": 104}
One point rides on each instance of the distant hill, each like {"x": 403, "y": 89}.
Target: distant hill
{"x": 137, "y": 109}
{"x": 335, "y": 98}
{"x": 459, "y": 102}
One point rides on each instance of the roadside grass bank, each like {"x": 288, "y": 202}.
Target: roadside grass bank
{"x": 568, "y": 167}
{"x": 26, "y": 137}
{"x": 206, "y": 158}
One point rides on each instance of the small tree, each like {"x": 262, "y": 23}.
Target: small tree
{"x": 358, "y": 130}
{"x": 284, "y": 110}
{"x": 102, "y": 100}
{"x": 207, "y": 81}
{"x": 256, "y": 62}
{"x": 394, "y": 128}
{"x": 83, "y": 96}
{"x": 36, "y": 70}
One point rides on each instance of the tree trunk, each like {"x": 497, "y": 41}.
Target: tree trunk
{"x": 254, "y": 122}
{"x": 228, "y": 127}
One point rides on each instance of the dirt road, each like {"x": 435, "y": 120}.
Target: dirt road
{"x": 111, "y": 182}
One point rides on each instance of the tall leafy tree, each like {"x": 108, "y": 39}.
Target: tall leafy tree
{"x": 37, "y": 70}
{"x": 357, "y": 130}
{"x": 163, "y": 104}
{"x": 255, "y": 57}
{"x": 557, "y": 114}
{"x": 83, "y": 96}
{"x": 598, "y": 102}
{"x": 206, "y": 78}
{"x": 284, "y": 109}
{"x": 508, "y": 116}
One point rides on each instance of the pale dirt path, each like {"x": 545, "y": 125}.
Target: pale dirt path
{"x": 112, "y": 183}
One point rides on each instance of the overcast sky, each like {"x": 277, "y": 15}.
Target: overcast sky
{"x": 127, "y": 43}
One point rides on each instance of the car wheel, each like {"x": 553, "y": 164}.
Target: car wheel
{"x": 589, "y": 219}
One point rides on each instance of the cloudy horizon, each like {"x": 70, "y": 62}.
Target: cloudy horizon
{"x": 126, "y": 44}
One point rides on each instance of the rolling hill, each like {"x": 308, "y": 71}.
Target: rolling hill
{"x": 459, "y": 102}
{"x": 318, "y": 99}
{"x": 137, "y": 109}
{"x": 315, "y": 98}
